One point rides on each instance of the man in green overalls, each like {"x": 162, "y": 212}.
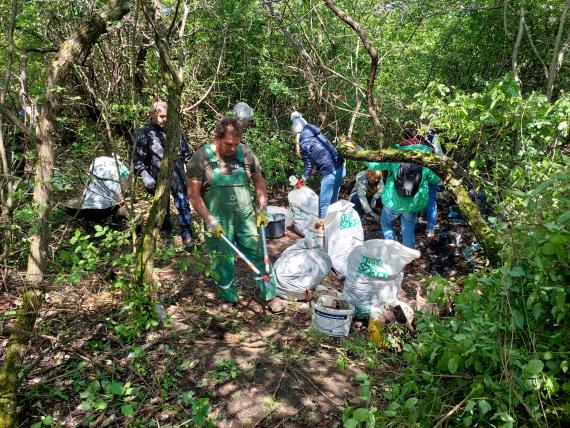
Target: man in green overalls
{"x": 218, "y": 189}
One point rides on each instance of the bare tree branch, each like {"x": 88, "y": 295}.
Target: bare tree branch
{"x": 373, "y": 66}
{"x": 214, "y": 78}
{"x": 5, "y": 111}
{"x": 304, "y": 54}
{"x": 514, "y": 54}
{"x": 557, "y": 53}
{"x": 39, "y": 50}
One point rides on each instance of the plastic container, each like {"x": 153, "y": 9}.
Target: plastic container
{"x": 275, "y": 227}
{"x": 332, "y": 322}
{"x": 273, "y": 209}
{"x": 375, "y": 325}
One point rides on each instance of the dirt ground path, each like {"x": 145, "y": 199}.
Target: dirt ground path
{"x": 257, "y": 369}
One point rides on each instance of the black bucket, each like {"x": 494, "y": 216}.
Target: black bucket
{"x": 276, "y": 226}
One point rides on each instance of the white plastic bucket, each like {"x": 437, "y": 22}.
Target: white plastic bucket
{"x": 332, "y": 322}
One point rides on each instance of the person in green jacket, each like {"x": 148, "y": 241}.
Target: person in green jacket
{"x": 405, "y": 192}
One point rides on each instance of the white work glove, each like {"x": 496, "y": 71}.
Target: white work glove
{"x": 148, "y": 182}
{"x": 214, "y": 227}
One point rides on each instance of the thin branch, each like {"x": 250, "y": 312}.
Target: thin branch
{"x": 354, "y": 114}
{"x": 39, "y": 50}
{"x": 5, "y": 111}
{"x": 373, "y": 65}
{"x": 205, "y": 95}
{"x": 162, "y": 50}
{"x": 557, "y": 54}
{"x": 302, "y": 51}
{"x": 169, "y": 32}
{"x": 330, "y": 70}
{"x": 451, "y": 412}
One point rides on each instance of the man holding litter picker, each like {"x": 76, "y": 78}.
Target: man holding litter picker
{"x": 218, "y": 189}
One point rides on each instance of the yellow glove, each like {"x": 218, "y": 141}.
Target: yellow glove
{"x": 262, "y": 217}
{"x": 214, "y": 227}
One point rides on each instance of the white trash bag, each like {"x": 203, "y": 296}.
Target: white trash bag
{"x": 104, "y": 187}
{"x": 304, "y": 204}
{"x": 301, "y": 267}
{"x": 375, "y": 273}
{"x": 343, "y": 233}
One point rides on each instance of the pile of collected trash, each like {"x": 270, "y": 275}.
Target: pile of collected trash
{"x": 372, "y": 269}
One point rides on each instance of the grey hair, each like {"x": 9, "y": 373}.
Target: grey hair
{"x": 159, "y": 105}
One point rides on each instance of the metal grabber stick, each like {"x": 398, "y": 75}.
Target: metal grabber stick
{"x": 265, "y": 253}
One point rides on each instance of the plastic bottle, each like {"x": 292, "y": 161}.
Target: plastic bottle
{"x": 375, "y": 325}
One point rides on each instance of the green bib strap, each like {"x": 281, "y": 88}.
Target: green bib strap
{"x": 239, "y": 155}
{"x": 214, "y": 161}
{"x": 212, "y": 156}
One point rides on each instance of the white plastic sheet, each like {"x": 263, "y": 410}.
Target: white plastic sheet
{"x": 104, "y": 187}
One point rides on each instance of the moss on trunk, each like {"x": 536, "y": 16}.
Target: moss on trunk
{"x": 15, "y": 352}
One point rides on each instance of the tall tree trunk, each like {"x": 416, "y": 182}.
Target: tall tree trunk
{"x": 76, "y": 47}
{"x": 371, "y": 105}
{"x": 557, "y": 53}
{"x": 515, "y": 52}
{"x": 174, "y": 84}
{"x": 6, "y": 183}
{"x": 452, "y": 176}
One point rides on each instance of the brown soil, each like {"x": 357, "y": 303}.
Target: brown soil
{"x": 258, "y": 369}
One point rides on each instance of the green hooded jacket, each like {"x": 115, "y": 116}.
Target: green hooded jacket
{"x": 390, "y": 196}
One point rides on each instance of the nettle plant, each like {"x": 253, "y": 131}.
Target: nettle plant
{"x": 106, "y": 248}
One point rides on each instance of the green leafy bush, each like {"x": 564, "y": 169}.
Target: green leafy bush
{"x": 502, "y": 360}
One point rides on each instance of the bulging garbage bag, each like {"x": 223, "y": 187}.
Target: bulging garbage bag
{"x": 343, "y": 233}
{"x": 374, "y": 273}
{"x": 104, "y": 187}
{"x": 301, "y": 267}
{"x": 304, "y": 204}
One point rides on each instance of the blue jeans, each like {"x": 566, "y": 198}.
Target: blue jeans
{"x": 431, "y": 208}
{"x": 407, "y": 224}
{"x": 184, "y": 217}
{"x": 358, "y": 206}
{"x": 330, "y": 185}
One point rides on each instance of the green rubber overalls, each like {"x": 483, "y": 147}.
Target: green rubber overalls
{"x": 229, "y": 201}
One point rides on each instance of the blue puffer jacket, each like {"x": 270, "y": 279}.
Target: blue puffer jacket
{"x": 318, "y": 152}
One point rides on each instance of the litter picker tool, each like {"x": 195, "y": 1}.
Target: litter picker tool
{"x": 249, "y": 264}
{"x": 265, "y": 253}
{"x": 269, "y": 272}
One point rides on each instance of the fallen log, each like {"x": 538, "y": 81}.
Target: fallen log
{"x": 452, "y": 176}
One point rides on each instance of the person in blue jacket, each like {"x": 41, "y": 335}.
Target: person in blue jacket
{"x": 319, "y": 155}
